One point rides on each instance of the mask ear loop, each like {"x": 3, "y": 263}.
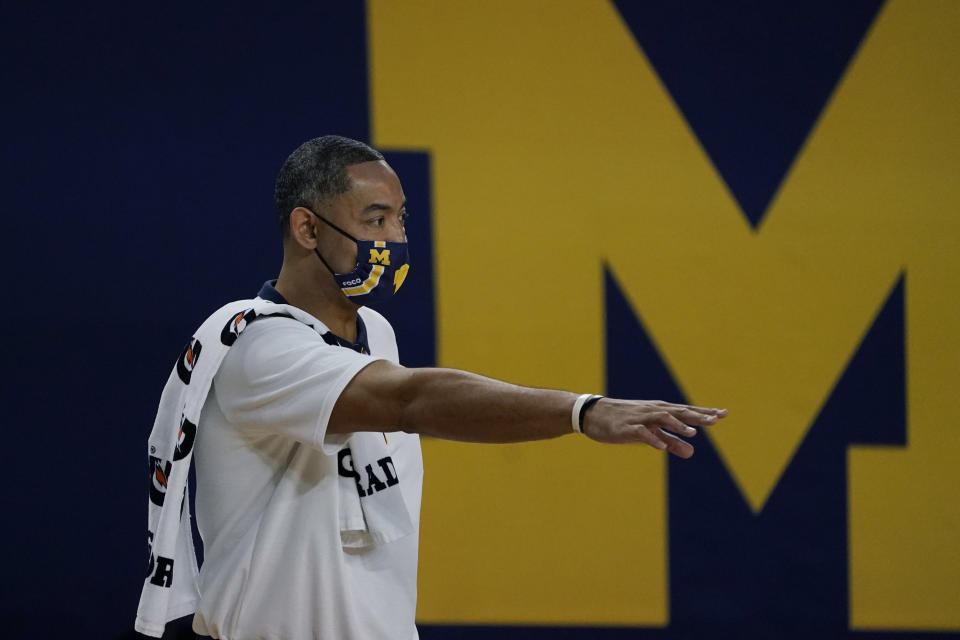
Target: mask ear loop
{"x": 332, "y": 225}
{"x": 336, "y": 228}
{"x": 324, "y": 262}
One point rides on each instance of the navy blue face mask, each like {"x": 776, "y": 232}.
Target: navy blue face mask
{"x": 381, "y": 269}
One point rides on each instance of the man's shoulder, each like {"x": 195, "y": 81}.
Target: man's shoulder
{"x": 274, "y": 345}
{"x": 279, "y": 328}
{"x": 260, "y": 324}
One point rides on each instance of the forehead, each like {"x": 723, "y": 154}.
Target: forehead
{"x": 373, "y": 182}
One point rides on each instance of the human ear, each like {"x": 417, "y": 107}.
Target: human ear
{"x": 302, "y": 228}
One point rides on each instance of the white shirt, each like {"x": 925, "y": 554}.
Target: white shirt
{"x": 267, "y": 497}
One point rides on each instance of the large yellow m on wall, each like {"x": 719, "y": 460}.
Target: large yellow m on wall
{"x": 555, "y": 150}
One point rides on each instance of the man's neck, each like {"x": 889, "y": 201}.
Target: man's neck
{"x": 319, "y": 295}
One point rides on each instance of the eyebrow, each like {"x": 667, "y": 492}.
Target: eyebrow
{"x": 379, "y": 206}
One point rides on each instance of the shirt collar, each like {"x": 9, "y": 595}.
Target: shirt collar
{"x": 269, "y": 292}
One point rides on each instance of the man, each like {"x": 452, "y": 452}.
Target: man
{"x": 308, "y": 455}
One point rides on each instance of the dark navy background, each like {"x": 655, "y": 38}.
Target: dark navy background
{"x": 140, "y": 147}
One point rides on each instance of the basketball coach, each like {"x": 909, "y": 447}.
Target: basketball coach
{"x": 306, "y": 428}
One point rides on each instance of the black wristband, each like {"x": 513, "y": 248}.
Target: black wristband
{"x": 589, "y": 402}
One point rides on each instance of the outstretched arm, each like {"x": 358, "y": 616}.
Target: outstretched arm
{"x": 457, "y": 405}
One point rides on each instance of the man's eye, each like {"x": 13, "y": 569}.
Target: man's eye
{"x": 378, "y": 222}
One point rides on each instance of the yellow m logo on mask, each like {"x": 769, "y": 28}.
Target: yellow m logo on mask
{"x": 380, "y": 257}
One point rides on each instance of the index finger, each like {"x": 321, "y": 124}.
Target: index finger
{"x": 720, "y": 413}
